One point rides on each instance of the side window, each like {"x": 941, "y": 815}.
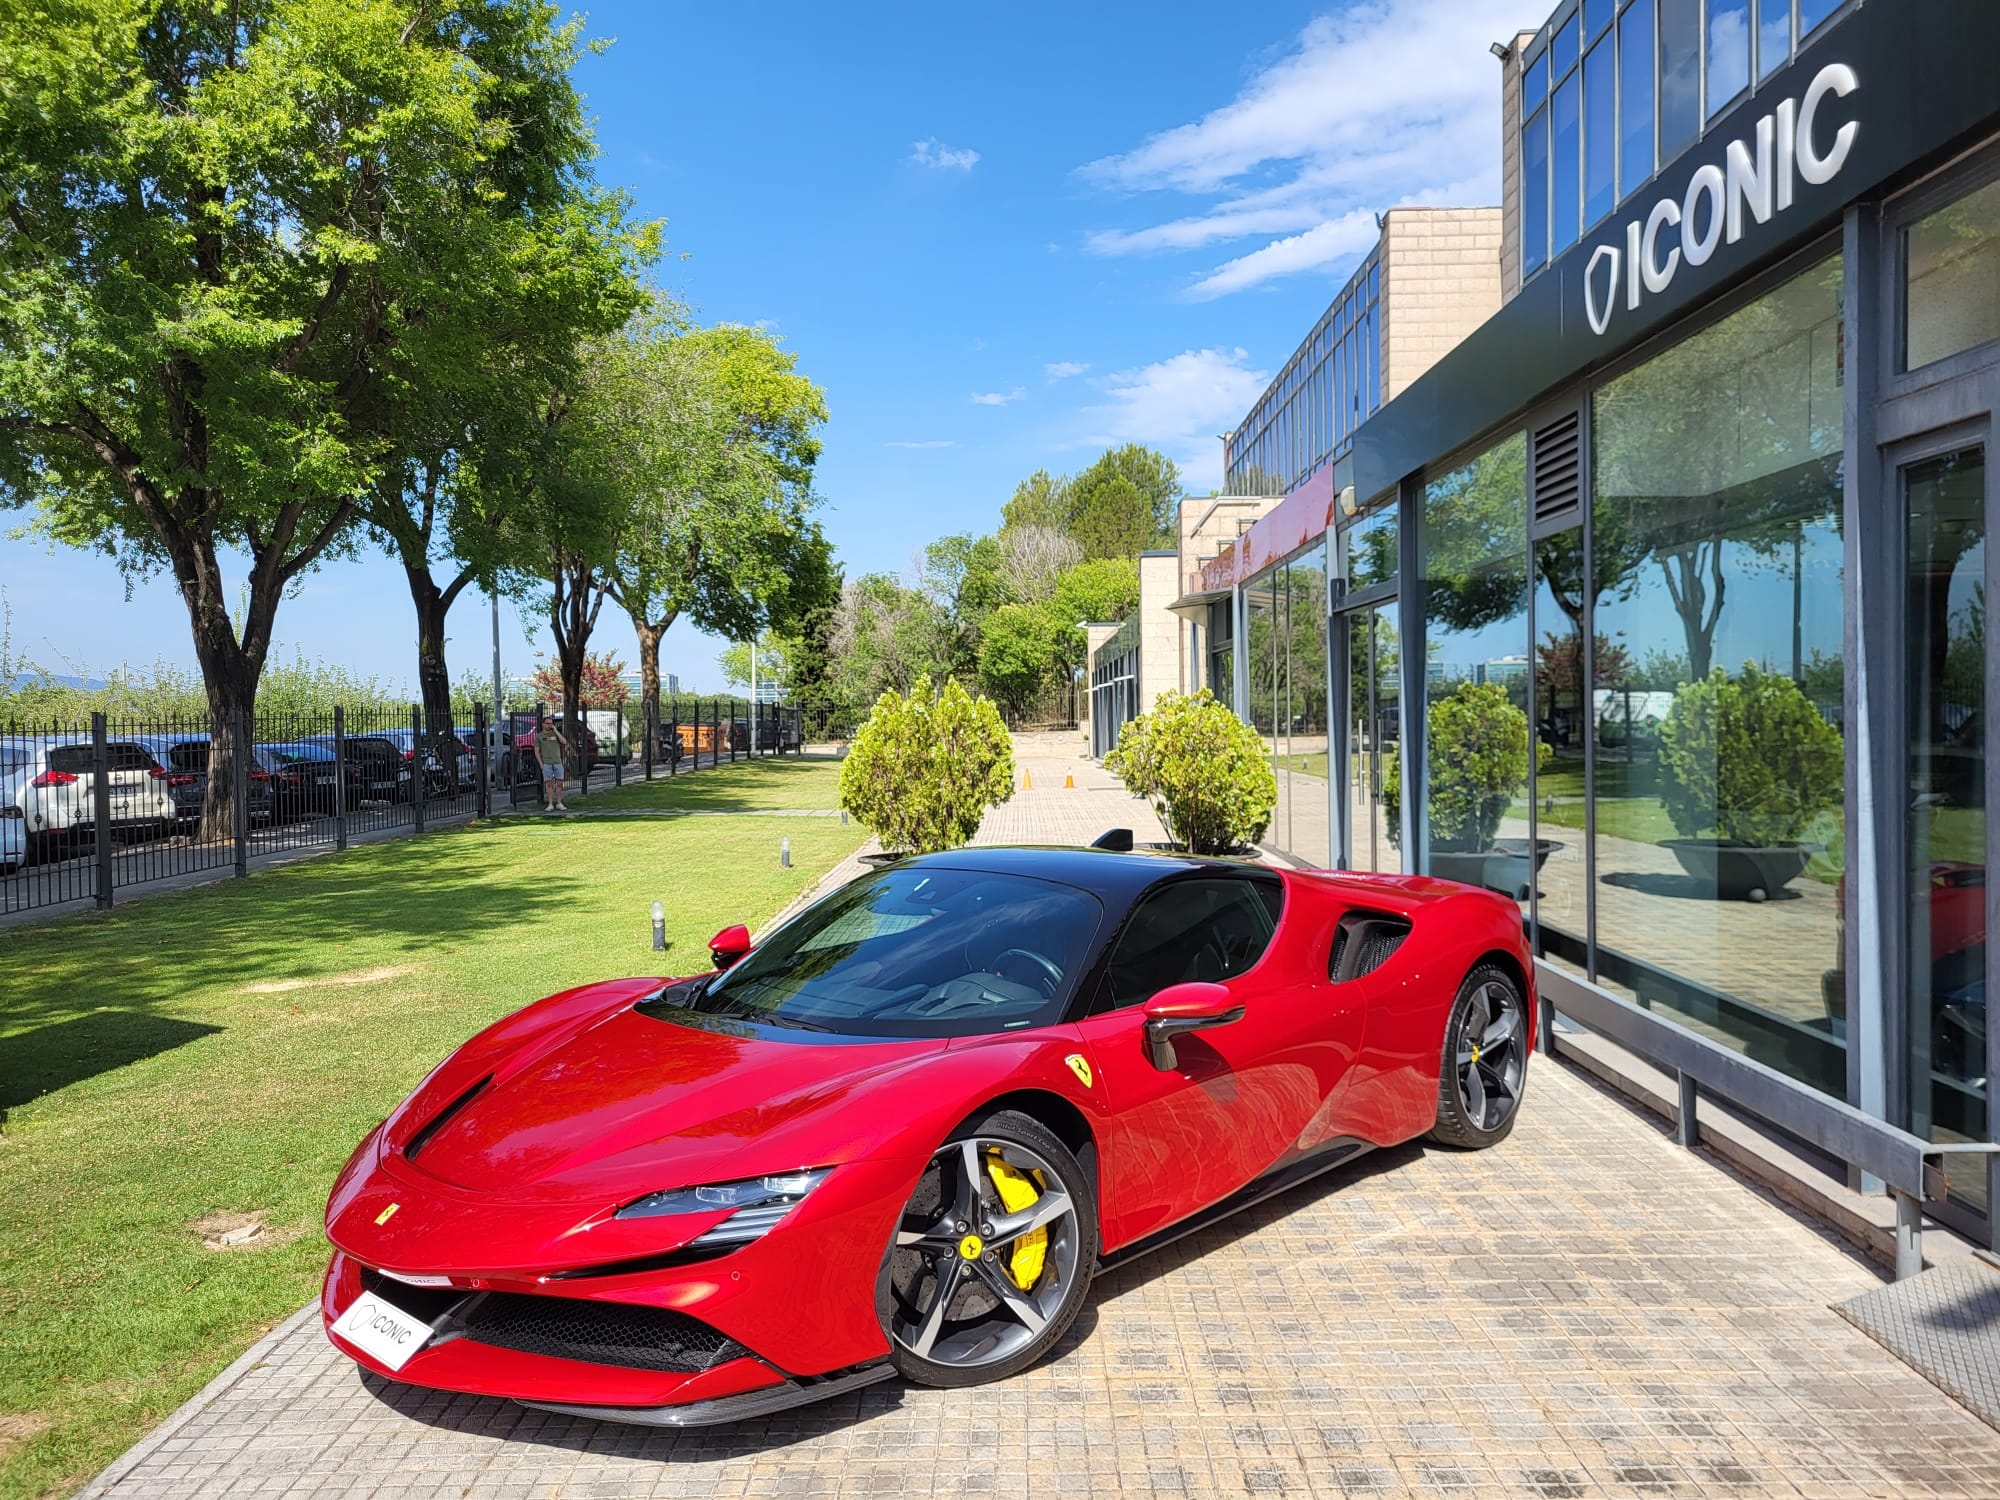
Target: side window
{"x": 127, "y": 757}
{"x": 1192, "y": 930}
{"x": 73, "y": 759}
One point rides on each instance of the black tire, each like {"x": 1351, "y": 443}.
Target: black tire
{"x": 988, "y": 1335}
{"x": 1481, "y": 1078}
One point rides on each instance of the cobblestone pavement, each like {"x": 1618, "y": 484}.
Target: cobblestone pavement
{"x": 1585, "y": 1310}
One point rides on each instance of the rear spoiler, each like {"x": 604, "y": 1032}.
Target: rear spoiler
{"x": 1116, "y": 840}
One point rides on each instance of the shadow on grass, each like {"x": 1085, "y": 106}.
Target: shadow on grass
{"x": 386, "y": 899}
{"x": 55, "y": 1056}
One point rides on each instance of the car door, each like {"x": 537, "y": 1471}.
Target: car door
{"x": 1244, "y": 1097}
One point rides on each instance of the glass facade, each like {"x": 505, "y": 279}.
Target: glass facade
{"x": 1473, "y": 546}
{"x": 1716, "y": 684}
{"x": 1951, "y": 279}
{"x": 1330, "y": 386}
{"x": 1287, "y": 612}
{"x": 1603, "y": 99}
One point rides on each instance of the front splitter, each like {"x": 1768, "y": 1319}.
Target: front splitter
{"x": 758, "y": 1403}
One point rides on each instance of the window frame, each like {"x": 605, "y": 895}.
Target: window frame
{"x": 1971, "y": 173}
{"x": 1102, "y": 999}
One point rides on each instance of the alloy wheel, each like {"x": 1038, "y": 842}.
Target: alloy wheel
{"x": 1490, "y": 1062}
{"x": 958, "y": 1268}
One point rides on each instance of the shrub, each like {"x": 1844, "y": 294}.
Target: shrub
{"x": 1204, "y": 770}
{"x": 924, "y": 768}
{"x": 1748, "y": 757}
{"x": 1476, "y": 755}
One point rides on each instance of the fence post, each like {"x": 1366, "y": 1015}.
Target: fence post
{"x": 535, "y": 752}
{"x": 339, "y": 777}
{"x": 583, "y": 750}
{"x": 416, "y": 768}
{"x": 482, "y": 760}
{"x": 100, "y": 810}
{"x": 649, "y": 732}
{"x": 618, "y": 750}
{"x": 673, "y": 733}
{"x": 240, "y": 790}
{"x": 513, "y": 758}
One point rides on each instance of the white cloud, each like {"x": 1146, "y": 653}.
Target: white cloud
{"x": 998, "y": 398}
{"x": 1387, "y": 102}
{"x": 932, "y": 152}
{"x": 926, "y": 443}
{"x": 1062, "y": 369}
{"x": 1178, "y": 405}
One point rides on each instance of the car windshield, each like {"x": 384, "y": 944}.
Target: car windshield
{"x": 920, "y": 951}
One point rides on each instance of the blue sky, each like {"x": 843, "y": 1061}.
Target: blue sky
{"x": 1001, "y": 238}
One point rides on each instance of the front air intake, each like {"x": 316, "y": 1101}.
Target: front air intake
{"x": 598, "y": 1333}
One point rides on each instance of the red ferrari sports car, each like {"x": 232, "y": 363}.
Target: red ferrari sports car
{"x": 903, "y": 1134}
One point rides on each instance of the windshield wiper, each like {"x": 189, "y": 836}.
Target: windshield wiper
{"x": 774, "y": 1018}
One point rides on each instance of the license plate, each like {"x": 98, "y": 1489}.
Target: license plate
{"x": 322, "y": 781}
{"x": 383, "y": 1330}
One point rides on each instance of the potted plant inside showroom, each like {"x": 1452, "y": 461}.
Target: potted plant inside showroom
{"x": 925, "y": 768}
{"x": 1746, "y": 764}
{"x": 1476, "y": 760}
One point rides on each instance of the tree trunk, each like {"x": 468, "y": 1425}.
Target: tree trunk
{"x": 230, "y": 669}
{"x": 649, "y": 633}
{"x": 576, "y": 599}
{"x": 433, "y": 605}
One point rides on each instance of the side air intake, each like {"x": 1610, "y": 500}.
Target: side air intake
{"x": 1363, "y": 943}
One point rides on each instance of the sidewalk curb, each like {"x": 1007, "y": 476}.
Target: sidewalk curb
{"x": 249, "y": 1360}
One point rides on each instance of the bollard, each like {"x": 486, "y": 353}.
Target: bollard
{"x": 785, "y": 852}
{"x": 843, "y": 817}
{"x": 659, "y": 927}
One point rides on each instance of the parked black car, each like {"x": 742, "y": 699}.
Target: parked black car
{"x": 438, "y": 781}
{"x": 302, "y": 779}
{"x": 183, "y": 760}
{"x": 376, "y": 770}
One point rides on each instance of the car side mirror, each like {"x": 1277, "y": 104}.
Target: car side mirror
{"x": 1182, "y": 1008}
{"x": 729, "y": 945}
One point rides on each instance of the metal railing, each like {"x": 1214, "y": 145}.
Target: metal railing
{"x": 1912, "y": 1168}
{"x": 94, "y": 806}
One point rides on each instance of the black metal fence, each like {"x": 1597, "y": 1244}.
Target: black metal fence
{"x": 92, "y": 807}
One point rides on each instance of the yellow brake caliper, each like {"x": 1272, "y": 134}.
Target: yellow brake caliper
{"x": 1017, "y": 1190}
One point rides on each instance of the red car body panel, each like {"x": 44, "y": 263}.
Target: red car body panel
{"x": 559, "y": 1115}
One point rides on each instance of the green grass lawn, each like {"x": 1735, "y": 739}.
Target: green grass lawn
{"x": 776, "y": 782}
{"x": 221, "y": 1050}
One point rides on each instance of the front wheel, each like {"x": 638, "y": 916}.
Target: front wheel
{"x": 1485, "y": 1061}
{"x": 992, "y": 1258}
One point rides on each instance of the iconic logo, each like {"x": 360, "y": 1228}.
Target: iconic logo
{"x": 387, "y": 1214}
{"x": 1761, "y": 176}
{"x": 1079, "y": 1065}
{"x": 970, "y": 1246}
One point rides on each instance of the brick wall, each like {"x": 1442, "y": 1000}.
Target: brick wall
{"x": 1440, "y": 280}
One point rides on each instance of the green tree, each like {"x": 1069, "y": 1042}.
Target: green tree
{"x": 885, "y": 636}
{"x": 237, "y": 237}
{"x": 926, "y": 766}
{"x": 1748, "y": 757}
{"x": 1100, "y": 591}
{"x": 1018, "y": 653}
{"x": 1124, "y": 503}
{"x": 1042, "y": 500}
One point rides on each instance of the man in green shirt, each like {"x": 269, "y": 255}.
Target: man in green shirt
{"x": 550, "y": 748}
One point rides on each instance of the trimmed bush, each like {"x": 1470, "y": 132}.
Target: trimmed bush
{"x": 1204, "y": 770}
{"x": 1748, "y": 757}
{"x": 1477, "y": 744}
{"x": 924, "y": 768}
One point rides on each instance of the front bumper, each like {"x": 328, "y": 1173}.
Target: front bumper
{"x": 796, "y": 1309}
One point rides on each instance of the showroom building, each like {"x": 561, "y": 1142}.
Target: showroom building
{"x": 1678, "y": 559}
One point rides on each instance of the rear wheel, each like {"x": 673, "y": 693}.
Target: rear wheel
{"x": 1485, "y": 1061}
{"x": 992, "y": 1259}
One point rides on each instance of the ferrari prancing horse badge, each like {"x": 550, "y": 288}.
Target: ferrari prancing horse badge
{"x": 1079, "y": 1065}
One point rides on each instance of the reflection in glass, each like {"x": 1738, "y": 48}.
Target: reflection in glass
{"x": 1535, "y": 192}
{"x": 1222, "y": 651}
{"x": 1774, "y": 36}
{"x": 1368, "y": 550}
{"x": 1474, "y": 546}
{"x": 1680, "y": 75}
{"x": 1300, "y": 825}
{"x": 1812, "y": 12}
{"x": 1562, "y": 727}
{"x": 1716, "y": 695}
{"x": 1374, "y": 738}
{"x": 1635, "y": 97}
{"x": 1728, "y": 52}
{"x": 1600, "y": 134}
{"x": 1946, "y": 933}
{"x": 1565, "y": 113}
{"x": 1951, "y": 270}
{"x": 1562, "y": 49}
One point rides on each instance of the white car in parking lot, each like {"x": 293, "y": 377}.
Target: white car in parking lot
{"x": 51, "y": 786}
{"x": 13, "y": 825}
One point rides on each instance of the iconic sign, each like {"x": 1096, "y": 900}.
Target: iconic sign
{"x": 1759, "y": 181}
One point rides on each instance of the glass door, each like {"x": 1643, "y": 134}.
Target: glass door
{"x": 1945, "y": 1034}
{"x": 1374, "y": 739}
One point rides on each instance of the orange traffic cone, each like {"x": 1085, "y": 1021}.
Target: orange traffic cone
{"x": 1070, "y": 782}
{"x": 1027, "y": 782}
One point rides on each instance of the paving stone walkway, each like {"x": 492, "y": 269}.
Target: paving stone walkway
{"x": 1585, "y": 1310}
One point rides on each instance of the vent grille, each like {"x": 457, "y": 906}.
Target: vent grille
{"x": 1555, "y": 469}
{"x": 599, "y": 1333}
{"x": 1364, "y": 941}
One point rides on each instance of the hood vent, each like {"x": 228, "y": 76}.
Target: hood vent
{"x": 443, "y": 1118}
{"x": 1364, "y": 942}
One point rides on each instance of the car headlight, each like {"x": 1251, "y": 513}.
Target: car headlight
{"x": 759, "y": 1204}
